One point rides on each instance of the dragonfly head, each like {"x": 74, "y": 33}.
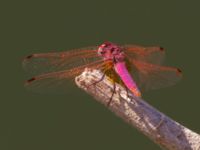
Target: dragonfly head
{"x": 111, "y": 51}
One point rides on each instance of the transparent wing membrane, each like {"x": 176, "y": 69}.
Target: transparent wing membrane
{"x": 58, "y": 82}
{"x": 152, "y": 76}
{"x": 153, "y": 54}
{"x": 55, "y": 61}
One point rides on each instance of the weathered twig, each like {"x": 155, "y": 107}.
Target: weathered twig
{"x": 164, "y": 131}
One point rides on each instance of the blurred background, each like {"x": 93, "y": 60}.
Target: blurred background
{"x": 75, "y": 121}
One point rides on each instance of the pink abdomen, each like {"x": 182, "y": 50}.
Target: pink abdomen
{"x": 122, "y": 71}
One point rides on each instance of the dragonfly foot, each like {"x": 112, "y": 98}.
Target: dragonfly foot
{"x": 111, "y": 98}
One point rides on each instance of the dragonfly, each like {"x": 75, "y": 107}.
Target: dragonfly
{"x": 137, "y": 68}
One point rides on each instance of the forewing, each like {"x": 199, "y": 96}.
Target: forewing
{"x": 154, "y": 55}
{"x": 56, "y": 61}
{"x": 150, "y": 76}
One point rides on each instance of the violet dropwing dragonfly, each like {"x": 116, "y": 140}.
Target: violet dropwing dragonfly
{"x": 135, "y": 67}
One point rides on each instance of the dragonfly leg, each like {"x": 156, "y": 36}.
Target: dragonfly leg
{"x": 104, "y": 74}
{"x": 94, "y": 83}
{"x": 127, "y": 93}
{"x": 98, "y": 80}
{"x": 110, "y": 100}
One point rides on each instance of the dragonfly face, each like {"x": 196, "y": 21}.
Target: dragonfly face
{"x": 111, "y": 51}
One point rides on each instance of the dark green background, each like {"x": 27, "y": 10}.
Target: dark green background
{"x": 30, "y": 121}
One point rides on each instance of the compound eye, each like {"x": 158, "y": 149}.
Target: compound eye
{"x": 104, "y": 45}
{"x": 101, "y": 51}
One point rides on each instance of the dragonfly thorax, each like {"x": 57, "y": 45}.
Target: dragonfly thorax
{"x": 111, "y": 51}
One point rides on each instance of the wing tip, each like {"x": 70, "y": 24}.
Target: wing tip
{"x": 161, "y": 48}
{"x": 179, "y": 71}
{"x": 30, "y": 81}
{"x": 29, "y": 56}
{"x": 25, "y": 59}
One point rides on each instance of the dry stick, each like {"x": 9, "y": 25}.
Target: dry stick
{"x": 164, "y": 131}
